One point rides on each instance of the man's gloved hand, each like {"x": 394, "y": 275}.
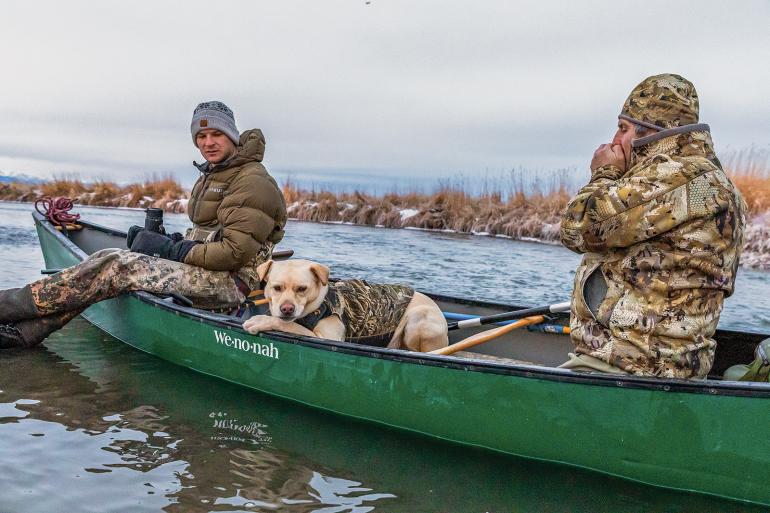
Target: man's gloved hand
{"x": 134, "y": 230}
{"x": 157, "y": 245}
{"x": 132, "y": 235}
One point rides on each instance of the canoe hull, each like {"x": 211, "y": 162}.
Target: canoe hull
{"x": 673, "y": 434}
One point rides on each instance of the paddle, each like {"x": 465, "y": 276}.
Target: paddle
{"x": 486, "y": 336}
{"x": 509, "y": 316}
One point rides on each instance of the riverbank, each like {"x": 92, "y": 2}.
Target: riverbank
{"x": 513, "y": 213}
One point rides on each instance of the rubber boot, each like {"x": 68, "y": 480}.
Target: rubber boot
{"x": 17, "y": 305}
{"x": 31, "y": 332}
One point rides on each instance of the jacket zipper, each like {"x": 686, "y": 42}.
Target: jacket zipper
{"x": 198, "y": 202}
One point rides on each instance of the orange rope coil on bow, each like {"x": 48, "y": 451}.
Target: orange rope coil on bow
{"x": 56, "y": 210}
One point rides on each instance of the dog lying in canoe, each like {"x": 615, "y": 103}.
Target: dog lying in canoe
{"x": 304, "y": 302}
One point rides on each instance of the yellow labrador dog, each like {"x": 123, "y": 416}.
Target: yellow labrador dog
{"x": 304, "y": 302}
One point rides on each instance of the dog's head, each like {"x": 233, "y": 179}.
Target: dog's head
{"x": 295, "y": 288}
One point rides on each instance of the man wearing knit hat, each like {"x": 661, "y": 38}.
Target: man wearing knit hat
{"x": 238, "y": 214}
{"x": 661, "y": 228}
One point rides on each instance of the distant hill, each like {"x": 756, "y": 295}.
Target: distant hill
{"x": 19, "y": 179}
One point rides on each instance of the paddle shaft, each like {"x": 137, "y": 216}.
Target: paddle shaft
{"x": 509, "y": 316}
{"x": 486, "y": 336}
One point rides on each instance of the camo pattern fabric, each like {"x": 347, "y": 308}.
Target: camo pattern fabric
{"x": 666, "y": 237}
{"x": 665, "y": 101}
{"x": 371, "y": 313}
{"x": 110, "y": 272}
{"x": 247, "y": 273}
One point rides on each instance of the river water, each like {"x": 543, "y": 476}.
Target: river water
{"x": 89, "y": 424}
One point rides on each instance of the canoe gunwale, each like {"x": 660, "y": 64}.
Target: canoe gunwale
{"x": 708, "y": 387}
{"x": 95, "y": 226}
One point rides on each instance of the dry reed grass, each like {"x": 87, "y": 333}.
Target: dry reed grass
{"x": 749, "y": 170}
{"x": 159, "y": 192}
{"x": 520, "y": 206}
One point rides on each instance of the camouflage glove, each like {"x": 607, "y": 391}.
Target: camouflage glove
{"x": 157, "y": 245}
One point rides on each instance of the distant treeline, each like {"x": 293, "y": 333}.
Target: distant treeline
{"x": 517, "y": 208}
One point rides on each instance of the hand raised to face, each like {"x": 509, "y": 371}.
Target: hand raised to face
{"x": 609, "y": 154}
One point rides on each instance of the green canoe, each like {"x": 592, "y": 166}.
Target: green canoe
{"x": 705, "y": 436}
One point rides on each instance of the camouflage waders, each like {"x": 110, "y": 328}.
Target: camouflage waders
{"x": 110, "y": 272}
{"x": 30, "y": 332}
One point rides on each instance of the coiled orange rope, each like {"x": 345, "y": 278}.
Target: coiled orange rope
{"x": 57, "y": 210}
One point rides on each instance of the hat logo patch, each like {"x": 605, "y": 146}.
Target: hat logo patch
{"x": 204, "y": 123}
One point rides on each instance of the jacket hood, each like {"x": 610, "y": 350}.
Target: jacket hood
{"x": 661, "y": 102}
{"x": 251, "y": 146}
{"x": 685, "y": 141}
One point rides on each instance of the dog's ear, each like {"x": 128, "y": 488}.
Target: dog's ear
{"x": 264, "y": 269}
{"x": 321, "y": 273}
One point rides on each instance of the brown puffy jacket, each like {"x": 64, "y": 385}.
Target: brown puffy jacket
{"x": 237, "y": 210}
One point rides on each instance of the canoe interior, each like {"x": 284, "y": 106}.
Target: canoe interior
{"x": 520, "y": 346}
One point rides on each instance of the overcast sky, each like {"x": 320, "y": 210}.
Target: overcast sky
{"x": 356, "y": 89}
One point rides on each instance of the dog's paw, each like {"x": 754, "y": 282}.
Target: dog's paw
{"x": 258, "y": 323}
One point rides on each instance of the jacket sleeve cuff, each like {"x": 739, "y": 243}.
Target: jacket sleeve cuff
{"x": 608, "y": 172}
{"x": 181, "y": 248}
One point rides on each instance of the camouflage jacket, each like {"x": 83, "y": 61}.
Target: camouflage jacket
{"x": 663, "y": 241}
{"x": 370, "y": 313}
{"x": 238, "y": 212}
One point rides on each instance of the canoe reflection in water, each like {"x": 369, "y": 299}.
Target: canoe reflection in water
{"x": 124, "y": 431}
{"x": 212, "y": 455}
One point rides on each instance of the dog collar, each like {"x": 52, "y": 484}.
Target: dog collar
{"x": 327, "y": 308}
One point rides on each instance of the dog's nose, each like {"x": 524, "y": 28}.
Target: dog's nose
{"x": 287, "y": 309}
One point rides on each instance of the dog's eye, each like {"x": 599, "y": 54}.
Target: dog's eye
{"x": 301, "y": 288}
{"x": 277, "y": 288}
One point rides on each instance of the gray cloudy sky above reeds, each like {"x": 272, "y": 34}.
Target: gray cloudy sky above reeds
{"x": 390, "y": 87}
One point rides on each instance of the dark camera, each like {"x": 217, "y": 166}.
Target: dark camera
{"x": 153, "y": 221}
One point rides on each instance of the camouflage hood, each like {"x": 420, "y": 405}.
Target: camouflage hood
{"x": 661, "y": 102}
{"x": 687, "y": 141}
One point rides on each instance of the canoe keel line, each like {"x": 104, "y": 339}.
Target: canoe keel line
{"x": 708, "y": 437}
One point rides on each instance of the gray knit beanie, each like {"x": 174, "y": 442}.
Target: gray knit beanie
{"x": 214, "y": 115}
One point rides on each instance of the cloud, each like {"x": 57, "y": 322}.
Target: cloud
{"x": 392, "y": 86}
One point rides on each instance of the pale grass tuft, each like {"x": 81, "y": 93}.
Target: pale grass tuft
{"x": 520, "y": 205}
